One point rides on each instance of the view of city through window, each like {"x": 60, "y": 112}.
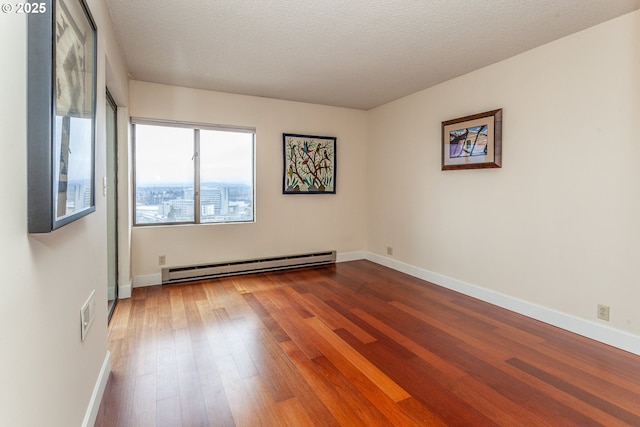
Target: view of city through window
{"x": 219, "y": 202}
{"x": 169, "y": 158}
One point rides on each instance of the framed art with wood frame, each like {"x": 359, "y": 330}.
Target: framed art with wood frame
{"x": 309, "y": 164}
{"x": 61, "y": 131}
{"x": 473, "y": 142}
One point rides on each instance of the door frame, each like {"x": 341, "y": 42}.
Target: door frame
{"x": 114, "y": 188}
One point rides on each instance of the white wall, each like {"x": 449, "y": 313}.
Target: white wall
{"x": 557, "y": 226}
{"x": 117, "y": 81}
{"x": 285, "y": 224}
{"x": 47, "y": 374}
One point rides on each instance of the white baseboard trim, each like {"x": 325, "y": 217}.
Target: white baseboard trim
{"x": 124, "y": 291}
{"x": 605, "y": 334}
{"x": 147, "y": 280}
{"x": 98, "y": 391}
{"x": 351, "y": 256}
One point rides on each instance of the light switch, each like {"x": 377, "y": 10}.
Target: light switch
{"x": 87, "y": 313}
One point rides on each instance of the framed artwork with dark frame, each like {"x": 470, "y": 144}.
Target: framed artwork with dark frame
{"x": 309, "y": 164}
{"x": 473, "y": 142}
{"x": 61, "y": 102}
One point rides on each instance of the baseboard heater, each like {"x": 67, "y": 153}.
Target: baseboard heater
{"x": 259, "y": 265}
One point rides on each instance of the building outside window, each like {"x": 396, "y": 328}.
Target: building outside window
{"x": 191, "y": 173}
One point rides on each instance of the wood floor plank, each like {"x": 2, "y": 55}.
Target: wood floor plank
{"x": 242, "y": 408}
{"x": 352, "y": 344}
{"x": 519, "y": 389}
{"x": 277, "y": 370}
{"x": 494, "y": 405}
{"x": 452, "y": 372}
{"x": 435, "y": 390}
{"x": 334, "y": 319}
{"x": 190, "y": 390}
{"x": 338, "y": 394}
{"x": 377, "y": 395}
{"x": 500, "y": 353}
{"x": 420, "y": 414}
{"x": 144, "y": 401}
{"x": 487, "y": 346}
{"x": 582, "y": 395}
{"x": 600, "y": 386}
{"x": 167, "y": 384}
{"x": 310, "y": 393}
{"x": 484, "y": 398}
{"x": 178, "y": 315}
{"x": 263, "y": 402}
{"x": 119, "y": 392}
{"x": 261, "y": 308}
{"x": 294, "y": 413}
{"x": 120, "y": 319}
{"x": 290, "y": 323}
{"x": 169, "y": 412}
{"x": 211, "y": 387}
{"x": 375, "y": 375}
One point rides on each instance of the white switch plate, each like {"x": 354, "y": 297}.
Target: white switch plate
{"x": 87, "y": 313}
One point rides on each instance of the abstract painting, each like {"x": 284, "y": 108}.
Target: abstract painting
{"x": 473, "y": 142}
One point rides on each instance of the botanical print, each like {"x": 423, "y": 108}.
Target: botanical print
{"x": 309, "y": 164}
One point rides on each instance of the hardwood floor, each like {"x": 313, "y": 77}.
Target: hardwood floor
{"x": 354, "y": 344}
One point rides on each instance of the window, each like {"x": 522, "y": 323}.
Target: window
{"x": 192, "y": 174}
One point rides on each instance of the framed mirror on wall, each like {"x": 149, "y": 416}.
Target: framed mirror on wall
{"x": 61, "y": 132}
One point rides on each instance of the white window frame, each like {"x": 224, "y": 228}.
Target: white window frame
{"x": 196, "y": 127}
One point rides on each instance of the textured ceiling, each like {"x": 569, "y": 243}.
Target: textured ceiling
{"x": 349, "y": 53}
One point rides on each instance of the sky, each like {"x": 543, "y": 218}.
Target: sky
{"x": 164, "y": 155}
{"x": 80, "y": 144}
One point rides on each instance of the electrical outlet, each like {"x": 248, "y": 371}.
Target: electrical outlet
{"x": 603, "y": 312}
{"x": 389, "y": 250}
{"x": 162, "y": 260}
